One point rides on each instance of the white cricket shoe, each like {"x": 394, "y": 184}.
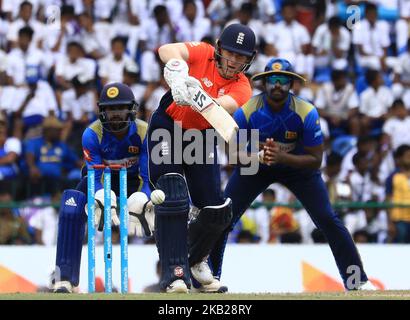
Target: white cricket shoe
{"x": 202, "y": 273}
{"x": 178, "y": 286}
{"x": 63, "y": 287}
{"x": 367, "y": 286}
{"x": 214, "y": 287}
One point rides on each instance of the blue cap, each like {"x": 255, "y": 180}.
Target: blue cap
{"x": 278, "y": 66}
{"x": 238, "y": 38}
{"x": 116, "y": 94}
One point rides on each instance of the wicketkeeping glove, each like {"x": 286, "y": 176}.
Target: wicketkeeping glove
{"x": 99, "y": 209}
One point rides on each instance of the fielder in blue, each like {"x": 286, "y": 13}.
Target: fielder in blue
{"x": 290, "y": 133}
{"x": 117, "y": 137}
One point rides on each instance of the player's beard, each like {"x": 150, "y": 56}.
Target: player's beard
{"x": 118, "y": 121}
{"x": 277, "y": 93}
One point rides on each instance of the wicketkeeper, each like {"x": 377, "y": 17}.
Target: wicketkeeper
{"x": 117, "y": 137}
{"x": 219, "y": 71}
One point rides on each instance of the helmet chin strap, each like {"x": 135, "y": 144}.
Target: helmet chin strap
{"x": 219, "y": 57}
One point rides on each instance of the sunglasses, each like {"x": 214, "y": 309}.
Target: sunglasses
{"x": 283, "y": 80}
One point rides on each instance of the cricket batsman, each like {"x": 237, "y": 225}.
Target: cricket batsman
{"x": 117, "y": 137}
{"x": 220, "y": 72}
{"x": 292, "y": 140}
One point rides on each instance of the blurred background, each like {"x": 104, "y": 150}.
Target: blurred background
{"x": 56, "y": 55}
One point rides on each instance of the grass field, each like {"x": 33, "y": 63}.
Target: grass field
{"x": 360, "y": 295}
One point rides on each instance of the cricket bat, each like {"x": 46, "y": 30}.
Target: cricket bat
{"x": 214, "y": 113}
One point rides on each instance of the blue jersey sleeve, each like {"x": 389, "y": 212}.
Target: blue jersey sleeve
{"x": 92, "y": 154}
{"x": 144, "y": 168}
{"x": 243, "y": 123}
{"x": 312, "y": 133}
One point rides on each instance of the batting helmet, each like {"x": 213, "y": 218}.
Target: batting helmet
{"x": 237, "y": 38}
{"x": 114, "y": 96}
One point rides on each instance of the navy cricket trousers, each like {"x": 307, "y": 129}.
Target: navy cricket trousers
{"x": 310, "y": 190}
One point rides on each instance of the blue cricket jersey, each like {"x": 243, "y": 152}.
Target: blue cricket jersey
{"x": 296, "y": 126}
{"x": 102, "y": 147}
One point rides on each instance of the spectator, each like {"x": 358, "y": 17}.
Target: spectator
{"x": 290, "y": 40}
{"x": 47, "y": 157}
{"x": 398, "y": 191}
{"x": 25, "y": 20}
{"x": 284, "y": 227}
{"x": 366, "y": 145}
{"x": 256, "y": 221}
{"x": 376, "y": 224}
{"x": 362, "y": 188}
{"x": 94, "y": 43}
{"x": 112, "y": 66}
{"x": 24, "y": 56}
{"x": 79, "y": 107}
{"x": 157, "y": 31}
{"x": 10, "y": 151}
{"x": 191, "y": 27}
{"x": 32, "y": 104}
{"x": 153, "y": 101}
{"x": 371, "y": 38}
{"x": 132, "y": 79}
{"x": 13, "y": 229}
{"x": 375, "y": 102}
{"x": 73, "y": 64}
{"x": 396, "y": 129}
{"x": 245, "y": 16}
{"x": 402, "y": 27}
{"x": 60, "y": 33}
{"x": 331, "y": 43}
{"x": 219, "y": 12}
{"x": 338, "y": 103}
{"x": 401, "y": 80}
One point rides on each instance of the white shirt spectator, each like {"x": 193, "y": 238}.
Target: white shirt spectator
{"x": 12, "y": 144}
{"x": 51, "y": 35}
{"x": 18, "y": 61}
{"x": 84, "y": 66}
{"x": 15, "y": 26}
{"x": 13, "y": 6}
{"x": 264, "y": 12}
{"x": 187, "y": 31}
{"x": 77, "y": 4}
{"x": 78, "y": 106}
{"x": 153, "y": 102}
{"x": 154, "y": 36}
{"x": 138, "y": 90}
{"x": 322, "y": 41}
{"x": 42, "y": 103}
{"x": 375, "y": 103}
{"x": 46, "y": 220}
{"x": 4, "y": 27}
{"x": 337, "y": 103}
{"x": 175, "y": 8}
{"x": 373, "y": 41}
{"x": 402, "y": 34}
{"x": 256, "y": 25}
{"x": 398, "y": 130}
{"x": 288, "y": 40}
{"x": 113, "y": 69}
{"x": 402, "y": 69}
{"x": 150, "y": 69}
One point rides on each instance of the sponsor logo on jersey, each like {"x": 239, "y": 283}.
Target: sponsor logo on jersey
{"x": 286, "y": 147}
{"x": 71, "y": 202}
{"x": 133, "y": 149}
{"x": 221, "y": 92}
{"x": 291, "y": 135}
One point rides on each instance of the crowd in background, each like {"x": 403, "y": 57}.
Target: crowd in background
{"x": 56, "y": 55}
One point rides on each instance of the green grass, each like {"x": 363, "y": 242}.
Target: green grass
{"x": 359, "y": 295}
